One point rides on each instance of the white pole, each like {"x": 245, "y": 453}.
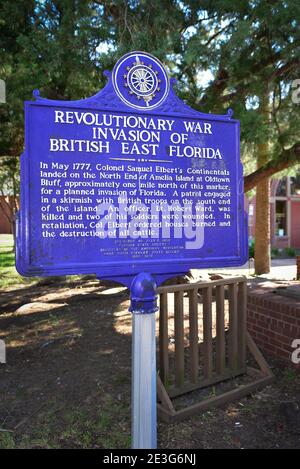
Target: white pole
{"x": 143, "y": 307}
{"x": 144, "y": 382}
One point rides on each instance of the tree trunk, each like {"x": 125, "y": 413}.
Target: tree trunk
{"x": 262, "y": 255}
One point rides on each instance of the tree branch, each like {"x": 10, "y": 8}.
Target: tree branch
{"x": 214, "y": 36}
{"x": 286, "y": 159}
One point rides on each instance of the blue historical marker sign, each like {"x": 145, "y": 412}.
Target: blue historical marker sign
{"x": 129, "y": 180}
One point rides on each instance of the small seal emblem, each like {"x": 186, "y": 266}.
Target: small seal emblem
{"x": 140, "y": 80}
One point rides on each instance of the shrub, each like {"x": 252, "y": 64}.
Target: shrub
{"x": 291, "y": 252}
{"x": 251, "y": 248}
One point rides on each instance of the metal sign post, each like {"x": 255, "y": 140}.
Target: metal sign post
{"x": 143, "y": 308}
{"x": 131, "y": 180}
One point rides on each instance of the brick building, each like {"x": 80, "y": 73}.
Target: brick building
{"x": 285, "y": 213}
{"x": 6, "y": 210}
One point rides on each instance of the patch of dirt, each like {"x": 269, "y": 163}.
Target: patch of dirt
{"x": 67, "y": 380}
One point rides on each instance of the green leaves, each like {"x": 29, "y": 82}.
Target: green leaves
{"x": 62, "y": 48}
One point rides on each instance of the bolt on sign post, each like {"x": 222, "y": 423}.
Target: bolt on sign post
{"x": 134, "y": 186}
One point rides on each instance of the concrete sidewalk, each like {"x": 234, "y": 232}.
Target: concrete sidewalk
{"x": 6, "y": 239}
{"x": 281, "y": 269}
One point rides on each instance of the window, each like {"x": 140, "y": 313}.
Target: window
{"x": 295, "y": 185}
{"x": 281, "y": 218}
{"x": 281, "y": 188}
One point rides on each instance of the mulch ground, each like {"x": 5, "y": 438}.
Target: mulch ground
{"x": 66, "y": 383}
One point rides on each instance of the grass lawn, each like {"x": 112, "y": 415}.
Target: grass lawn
{"x": 9, "y": 277}
{"x": 8, "y": 274}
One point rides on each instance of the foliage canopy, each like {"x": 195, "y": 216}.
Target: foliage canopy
{"x": 223, "y": 54}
